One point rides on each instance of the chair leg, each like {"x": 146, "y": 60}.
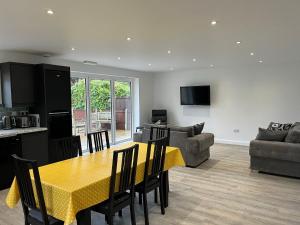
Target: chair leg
{"x": 120, "y": 213}
{"x": 161, "y": 198}
{"x": 132, "y": 213}
{"x": 155, "y": 195}
{"x": 145, "y": 208}
{"x": 110, "y": 220}
{"x": 140, "y": 199}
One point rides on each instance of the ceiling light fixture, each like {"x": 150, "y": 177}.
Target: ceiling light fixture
{"x": 149, "y": 64}
{"x": 128, "y": 38}
{"x": 194, "y": 59}
{"x": 252, "y": 53}
{"x": 169, "y": 51}
{"x": 73, "y": 49}
{"x": 171, "y": 68}
{"x": 92, "y": 63}
{"x": 238, "y": 42}
{"x": 260, "y": 61}
{"x": 50, "y": 12}
{"x": 213, "y": 23}
{"x": 211, "y": 65}
{"x": 119, "y": 58}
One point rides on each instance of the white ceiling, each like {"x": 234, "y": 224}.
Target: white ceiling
{"x": 98, "y": 30}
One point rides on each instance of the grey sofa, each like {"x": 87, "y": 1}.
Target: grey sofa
{"x": 276, "y": 157}
{"x": 195, "y": 149}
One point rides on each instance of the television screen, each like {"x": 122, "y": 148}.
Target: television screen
{"x": 195, "y": 95}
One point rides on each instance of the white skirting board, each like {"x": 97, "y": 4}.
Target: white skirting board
{"x": 232, "y": 142}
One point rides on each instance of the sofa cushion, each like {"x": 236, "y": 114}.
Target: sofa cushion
{"x": 271, "y": 135}
{"x": 189, "y": 130}
{"x": 198, "y": 128}
{"x": 293, "y": 135}
{"x": 275, "y": 150}
{"x": 279, "y": 126}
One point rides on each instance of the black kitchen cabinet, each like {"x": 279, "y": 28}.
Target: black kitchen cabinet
{"x": 8, "y": 147}
{"x": 18, "y": 84}
{"x": 32, "y": 146}
{"x": 35, "y": 147}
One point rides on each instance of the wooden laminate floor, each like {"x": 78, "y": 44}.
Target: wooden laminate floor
{"x": 221, "y": 191}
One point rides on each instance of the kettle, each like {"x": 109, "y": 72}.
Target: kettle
{"x": 8, "y": 122}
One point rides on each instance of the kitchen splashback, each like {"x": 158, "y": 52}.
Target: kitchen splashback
{"x": 7, "y": 111}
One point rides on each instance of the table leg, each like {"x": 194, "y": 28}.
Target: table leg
{"x": 166, "y": 188}
{"x": 84, "y": 217}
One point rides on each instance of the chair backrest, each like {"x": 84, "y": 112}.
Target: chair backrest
{"x": 158, "y": 147}
{"x": 66, "y": 148}
{"x": 127, "y": 176}
{"x": 22, "y": 170}
{"x": 160, "y": 132}
{"x": 97, "y": 139}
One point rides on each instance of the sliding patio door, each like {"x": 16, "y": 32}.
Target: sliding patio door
{"x": 100, "y": 107}
{"x": 101, "y": 103}
{"x": 123, "y": 110}
{"x": 79, "y": 109}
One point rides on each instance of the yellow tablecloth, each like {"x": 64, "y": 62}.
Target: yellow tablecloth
{"x": 73, "y": 185}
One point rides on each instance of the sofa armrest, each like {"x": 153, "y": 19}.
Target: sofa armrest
{"x": 137, "y": 137}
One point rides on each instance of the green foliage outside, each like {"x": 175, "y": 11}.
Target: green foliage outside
{"x": 99, "y": 93}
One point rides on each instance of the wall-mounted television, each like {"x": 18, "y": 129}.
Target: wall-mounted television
{"x": 195, "y": 95}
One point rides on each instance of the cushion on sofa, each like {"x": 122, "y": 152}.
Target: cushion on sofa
{"x": 198, "y": 128}
{"x": 271, "y": 135}
{"x": 293, "y": 135}
{"x": 279, "y": 126}
{"x": 275, "y": 150}
{"x": 189, "y": 130}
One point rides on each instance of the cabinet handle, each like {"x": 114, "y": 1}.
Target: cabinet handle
{"x": 58, "y": 76}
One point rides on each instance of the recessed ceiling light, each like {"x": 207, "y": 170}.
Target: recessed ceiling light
{"x": 260, "y": 61}
{"x": 211, "y": 65}
{"x": 119, "y": 58}
{"x": 169, "y": 51}
{"x": 171, "y": 68}
{"x": 87, "y": 62}
{"x": 73, "y": 49}
{"x": 194, "y": 59}
{"x": 128, "y": 38}
{"x": 213, "y": 22}
{"x": 238, "y": 42}
{"x": 149, "y": 64}
{"x": 252, "y": 53}
{"x": 50, "y": 12}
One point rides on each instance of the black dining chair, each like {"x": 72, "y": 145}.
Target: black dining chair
{"x": 124, "y": 196}
{"x": 66, "y": 148}
{"x": 96, "y": 138}
{"x": 158, "y": 133}
{"x": 153, "y": 175}
{"x": 32, "y": 214}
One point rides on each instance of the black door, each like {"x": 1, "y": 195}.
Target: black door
{"x": 58, "y": 91}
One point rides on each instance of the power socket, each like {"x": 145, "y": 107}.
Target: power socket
{"x": 236, "y": 131}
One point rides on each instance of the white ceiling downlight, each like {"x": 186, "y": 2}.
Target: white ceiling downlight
{"x": 194, "y": 59}
{"x": 213, "y": 23}
{"x": 50, "y": 12}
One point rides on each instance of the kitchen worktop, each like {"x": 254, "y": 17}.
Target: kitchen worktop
{"x": 17, "y": 131}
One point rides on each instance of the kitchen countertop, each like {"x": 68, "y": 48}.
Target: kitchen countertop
{"x": 17, "y": 131}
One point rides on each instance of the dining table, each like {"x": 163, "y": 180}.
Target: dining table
{"x": 71, "y": 187}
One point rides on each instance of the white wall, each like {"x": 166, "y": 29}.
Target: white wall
{"x": 143, "y": 79}
{"x": 241, "y": 98}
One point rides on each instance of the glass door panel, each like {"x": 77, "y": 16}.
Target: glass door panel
{"x": 79, "y": 121}
{"x": 100, "y": 105}
{"x": 123, "y": 110}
